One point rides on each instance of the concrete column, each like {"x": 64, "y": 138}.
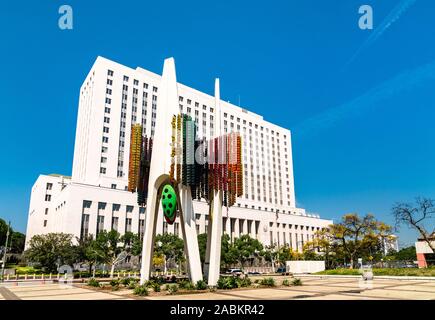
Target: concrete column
{"x": 236, "y": 228}
{"x": 245, "y": 226}
{"x": 215, "y": 239}
{"x": 188, "y": 228}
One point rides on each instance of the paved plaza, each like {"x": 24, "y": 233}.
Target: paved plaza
{"x": 312, "y": 288}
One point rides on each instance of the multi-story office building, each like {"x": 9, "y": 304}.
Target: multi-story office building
{"x": 113, "y": 97}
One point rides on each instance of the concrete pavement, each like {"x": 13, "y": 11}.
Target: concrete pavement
{"x": 313, "y": 288}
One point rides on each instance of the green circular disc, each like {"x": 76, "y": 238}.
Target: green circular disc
{"x": 169, "y": 202}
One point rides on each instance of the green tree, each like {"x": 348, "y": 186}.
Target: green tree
{"x": 3, "y": 232}
{"x": 84, "y": 251}
{"x": 171, "y": 246}
{"x": 110, "y": 248}
{"x": 202, "y": 244}
{"x": 404, "y": 254}
{"x": 16, "y": 242}
{"x": 51, "y": 250}
{"x": 246, "y": 248}
{"x": 228, "y": 253}
{"x": 354, "y": 233}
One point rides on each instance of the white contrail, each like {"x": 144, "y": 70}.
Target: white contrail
{"x": 389, "y": 88}
{"x": 392, "y": 17}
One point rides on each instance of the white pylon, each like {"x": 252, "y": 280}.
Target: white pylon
{"x": 159, "y": 169}
{"x": 213, "y": 250}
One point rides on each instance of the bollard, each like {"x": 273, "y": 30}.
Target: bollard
{"x": 7, "y": 277}
{"x": 25, "y": 276}
{"x": 129, "y": 275}
{"x": 118, "y": 274}
{"x": 50, "y": 276}
{"x": 34, "y": 276}
{"x": 58, "y": 276}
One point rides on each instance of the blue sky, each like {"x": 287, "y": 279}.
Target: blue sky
{"x": 363, "y": 131}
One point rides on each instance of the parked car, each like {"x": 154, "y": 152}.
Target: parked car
{"x": 253, "y": 273}
{"x": 235, "y": 271}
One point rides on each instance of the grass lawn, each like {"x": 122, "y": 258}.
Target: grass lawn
{"x": 428, "y": 272}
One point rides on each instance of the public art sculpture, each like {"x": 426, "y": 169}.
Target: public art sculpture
{"x": 175, "y": 167}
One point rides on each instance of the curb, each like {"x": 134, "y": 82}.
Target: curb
{"x": 359, "y": 276}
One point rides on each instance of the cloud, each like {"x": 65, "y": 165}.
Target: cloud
{"x": 387, "y": 89}
{"x": 392, "y": 17}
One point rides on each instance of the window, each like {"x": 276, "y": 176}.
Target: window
{"x": 45, "y": 223}
{"x": 108, "y": 91}
{"x": 109, "y": 82}
{"x": 115, "y": 223}
{"x": 113, "y": 186}
{"x": 125, "y": 78}
{"x": 110, "y": 73}
{"x": 154, "y": 89}
{"x": 100, "y": 224}
{"x": 141, "y": 228}
{"x": 103, "y": 159}
{"x": 108, "y": 100}
{"x": 46, "y": 211}
{"x": 48, "y": 197}
{"x": 102, "y": 170}
{"x": 49, "y": 186}
{"x": 135, "y": 82}
{"x": 84, "y": 231}
{"x": 197, "y": 216}
{"x": 106, "y": 119}
{"x": 106, "y": 109}
{"x": 129, "y": 209}
{"x": 105, "y": 129}
{"x": 128, "y": 225}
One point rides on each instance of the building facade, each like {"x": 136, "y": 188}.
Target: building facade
{"x": 114, "y": 97}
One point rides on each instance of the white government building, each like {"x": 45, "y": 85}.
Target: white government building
{"x": 94, "y": 198}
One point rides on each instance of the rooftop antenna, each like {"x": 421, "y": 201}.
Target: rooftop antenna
{"x": 239, "y": 99}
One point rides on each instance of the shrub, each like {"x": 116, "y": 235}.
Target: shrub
{"x": 172, "y": 288}
{"x": 141, "y": 290}
{"x": 201, "y": 285}
{"x": 297, "y": 282}
{"x": 243, "y": 283}
{"x": 158, "y": 280}
{"x": 268, "y": 282}
{"x": 156, "y": 287}
{"x": 114, "y": 283}
{"x": 93, "y": 283}
{"x": 286, "y": 283}
{"x": 227, "y": 283}
{"x": 186, "y": 284}
{"x": 256, "y": 281}
{"x": 126, "y": 281}
{"x": 132, "y": 284}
